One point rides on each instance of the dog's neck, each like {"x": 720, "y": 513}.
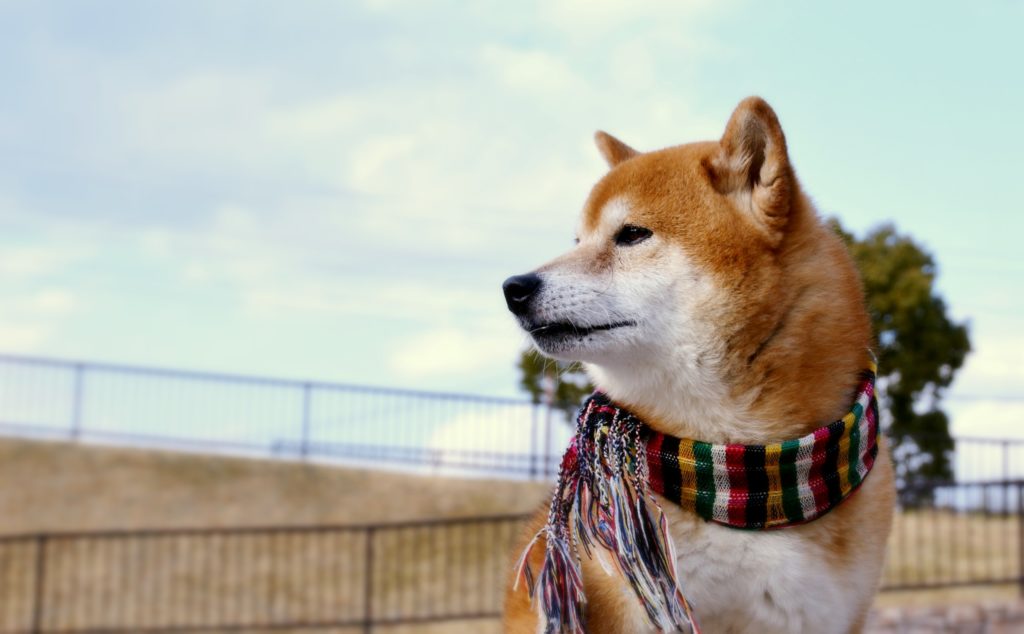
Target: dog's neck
{"x": 696, "y": 402}
{"x": 691, "y": 402}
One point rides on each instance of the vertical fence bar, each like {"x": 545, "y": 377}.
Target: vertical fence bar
{"x": 547, "y": 439}
{"x": 371, "y": 534}
{"x": 533, "y": 441}
{"x": 76, "y": 402}
{"x": 1020, "y": 535}
{"x": 307, "y": 390}
{"x": 40, "y": 585}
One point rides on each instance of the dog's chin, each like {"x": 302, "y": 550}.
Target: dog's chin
{"x": 566, "y": 342}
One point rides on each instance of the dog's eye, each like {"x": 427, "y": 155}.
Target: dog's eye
{"x": 632, "y": 234}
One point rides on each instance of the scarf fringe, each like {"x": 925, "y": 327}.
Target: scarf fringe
{"x": 602, "y": 505}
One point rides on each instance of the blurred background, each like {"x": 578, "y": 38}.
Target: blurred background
{"x": 255, "y": 368}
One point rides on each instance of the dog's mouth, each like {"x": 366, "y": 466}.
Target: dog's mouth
{"x": 565, "y": 329}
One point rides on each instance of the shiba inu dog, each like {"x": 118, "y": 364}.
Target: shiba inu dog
{"x": 705, "y": 296}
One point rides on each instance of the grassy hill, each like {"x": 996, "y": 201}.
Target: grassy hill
{"x": 63, "y": 486}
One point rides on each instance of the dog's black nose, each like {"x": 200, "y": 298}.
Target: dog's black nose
{"x": 518, "y": 291}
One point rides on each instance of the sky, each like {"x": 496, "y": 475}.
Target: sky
{"x": 336, "y": 190}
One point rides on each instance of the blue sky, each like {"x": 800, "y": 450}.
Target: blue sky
{"x": 336, "y": 190}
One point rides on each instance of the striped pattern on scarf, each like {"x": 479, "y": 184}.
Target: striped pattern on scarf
{"x": 769, "y": 486}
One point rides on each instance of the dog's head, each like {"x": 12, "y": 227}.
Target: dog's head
{"x": 666, "y": 247}
{"x": 701, "y": 270}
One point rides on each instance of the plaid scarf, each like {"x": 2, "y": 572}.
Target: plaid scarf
{"x": 615, "y": 463}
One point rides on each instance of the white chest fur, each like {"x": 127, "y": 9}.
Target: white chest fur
{"x": 765, "y": 582}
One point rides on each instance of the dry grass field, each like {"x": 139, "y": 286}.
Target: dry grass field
{"x": 943, "y": 546}
{"x": 168, "y": 580}
{"x": 934, "y": 546}
{"x": 175, "y": 580}
{"x": 47, "y": 486}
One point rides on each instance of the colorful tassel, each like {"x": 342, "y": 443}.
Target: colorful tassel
{"x": 602, "y": 504}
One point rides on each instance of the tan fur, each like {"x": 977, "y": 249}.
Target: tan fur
{"x": 794, "y": 331}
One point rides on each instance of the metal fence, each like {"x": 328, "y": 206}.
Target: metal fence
{"x": 283, "y": 418}
{"x": 957, "y": 534}
{"x": 356, "y": 578}
{"x": 325, "y": 421}
{"x": 254, "y": 579}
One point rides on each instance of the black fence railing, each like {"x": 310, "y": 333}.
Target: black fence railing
{"x": 325, "y": 421}
{"x": 360, "y": 577}
{"x": 957, "y": 534}
{"x": 255, "y": 579}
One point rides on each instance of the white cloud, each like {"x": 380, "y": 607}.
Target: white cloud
{"x": 988, "y": 418}
{"x": 454, "y": 351}
{"x": 51, "y": 301}
{"x": 498, "y": 430}
{"x": 994, "y": 366}
{"x": 205, "y": 118}
{"x": 501, "y": 431}
{"x": 369, "y": 298}
{"x": 987, "y": 398}
{"x": 22, "y": 262}
{"x": 596, "y": 18}
{"x": 34, "y": 302}
{"x": 31, "y": 317}
{"x": 21, "y": 337}
{"x": 373, "y": 163}
{"x": 532, "y": 72}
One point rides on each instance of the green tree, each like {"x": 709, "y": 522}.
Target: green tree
{"x": 919, "y": 347}
{"x": 561, "y": 385}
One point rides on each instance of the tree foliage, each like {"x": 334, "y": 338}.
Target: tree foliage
{"x": 919, "y": 348}
{"x": 557, "y": 383}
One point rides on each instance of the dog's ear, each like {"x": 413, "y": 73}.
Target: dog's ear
{"x": 613, "y": 150}
{"x": 752, "y": 166}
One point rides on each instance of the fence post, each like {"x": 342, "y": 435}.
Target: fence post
{"x": 371, "y": 534}
{"x": 547, "y": 440}
{"x": 40, "y": 584}
{"x": 1020, "y": 536}
{"x": 307, "y": 390}
{"x": 533, "y": 440}
{"x": 76, "y": 403}
{"x": 550, "y": 387}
